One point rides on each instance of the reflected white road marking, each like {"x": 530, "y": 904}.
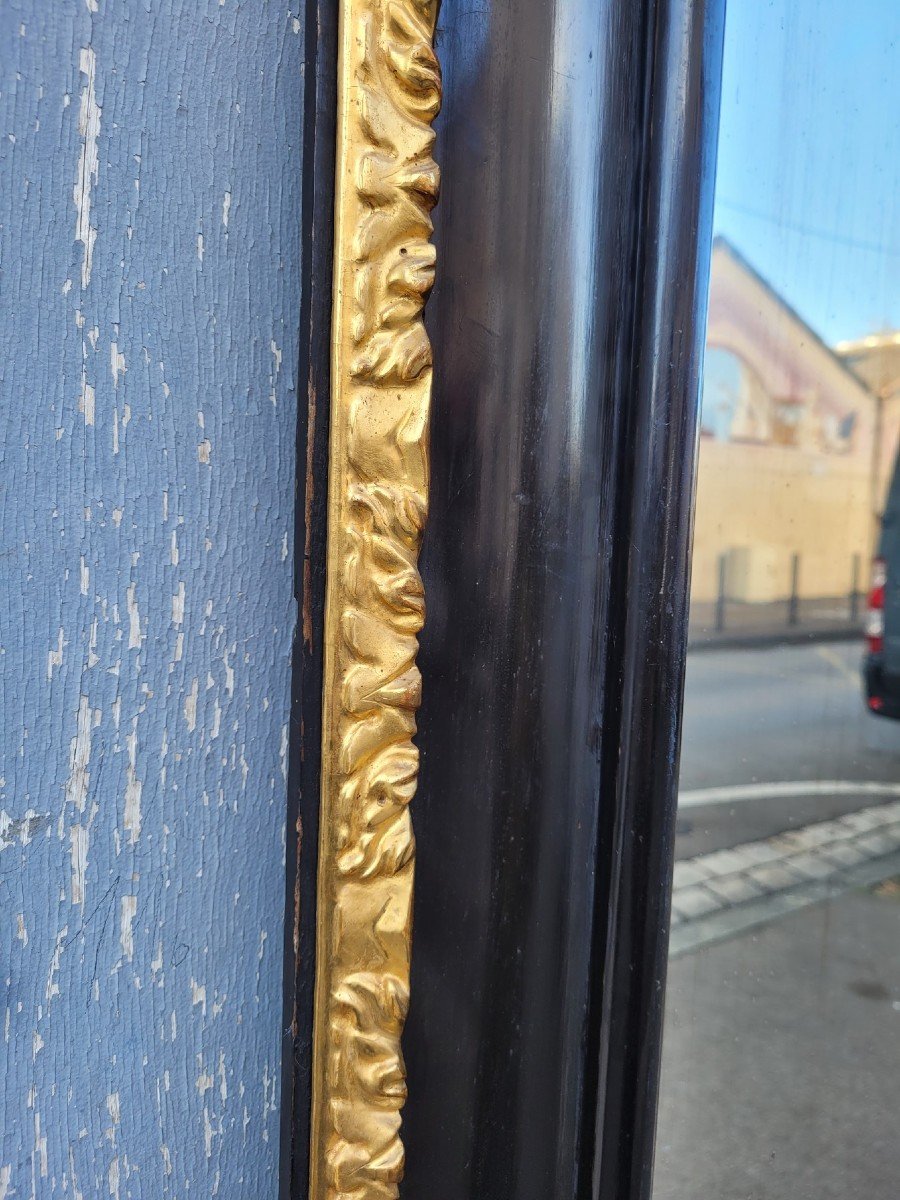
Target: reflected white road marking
{"x": 835, "y": 660}
{"x": 742, "y": 792}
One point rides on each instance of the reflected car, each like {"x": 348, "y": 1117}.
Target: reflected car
{"x": 881, "y": 664}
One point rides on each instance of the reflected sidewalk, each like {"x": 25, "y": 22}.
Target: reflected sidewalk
{"x": 735, "y": 624}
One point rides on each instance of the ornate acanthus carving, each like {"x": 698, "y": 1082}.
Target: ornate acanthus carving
{"x": 386, "y": 181}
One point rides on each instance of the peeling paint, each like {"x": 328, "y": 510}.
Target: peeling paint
{"x": 178, "y": 604}
{"x": 148, "y": 209}
{"x": 87, "y": 401}
{"x": 198, "y": 995}
{"x": 133, "y": 788}
{"x": 80, "y": 756}
{"x": 88, "y": 163}
{"x": 78, "y": 838}
{"x": 126, "y": 928}
{"x": 134, "y": 619}
{"x": 21, "y": 829}
{"x": 190, "y": 705}
{"x": 55, "y": 657}
{"x": 116, "y": 363}
{"x": 52, "y": 988}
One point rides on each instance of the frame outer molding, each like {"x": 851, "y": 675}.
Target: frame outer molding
{"x": 386, "y": 184}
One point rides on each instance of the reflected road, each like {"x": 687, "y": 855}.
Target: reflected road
{"x": 783, "y": 716}
{"x": 781, "y": 1052}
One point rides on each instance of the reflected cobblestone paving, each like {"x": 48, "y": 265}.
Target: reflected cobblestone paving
{"x": 720, "y": 894}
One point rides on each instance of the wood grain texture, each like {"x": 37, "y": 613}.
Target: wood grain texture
{"x": 149, "y": 242}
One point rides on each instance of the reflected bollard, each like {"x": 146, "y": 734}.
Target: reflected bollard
{"x": 854, "y": 592}
{"x": 793, "y": 606}
{"x": 720, "y": 595}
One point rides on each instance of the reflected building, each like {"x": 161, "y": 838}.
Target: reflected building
{"x": 793, "y": 443}
{"x": 876, "y": 360}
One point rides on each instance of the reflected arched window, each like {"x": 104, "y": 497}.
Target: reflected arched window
{"x": 736, "y": 406}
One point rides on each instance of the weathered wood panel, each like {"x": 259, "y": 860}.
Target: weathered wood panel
{"x": 149, "y": 218}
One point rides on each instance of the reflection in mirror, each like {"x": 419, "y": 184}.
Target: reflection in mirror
{"x": 782, "y": 1040}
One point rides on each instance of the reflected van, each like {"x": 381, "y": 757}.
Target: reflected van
{"x": 881, "y": 664}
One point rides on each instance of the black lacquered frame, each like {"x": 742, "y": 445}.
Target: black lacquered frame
{"x": 577, "y": 144}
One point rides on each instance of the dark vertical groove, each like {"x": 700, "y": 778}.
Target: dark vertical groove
{"x": 651, "y": 556}
{"x": 304, "y": 752}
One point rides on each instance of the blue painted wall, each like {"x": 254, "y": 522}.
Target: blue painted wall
{"x": 149, "y": 220}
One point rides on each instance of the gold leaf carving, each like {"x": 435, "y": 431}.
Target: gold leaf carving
{"x": 386, "y": 185}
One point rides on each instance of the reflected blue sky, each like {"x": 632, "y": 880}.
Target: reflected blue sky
{"x": 809, "y": 156}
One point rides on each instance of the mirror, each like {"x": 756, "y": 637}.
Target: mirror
{"x": 781, "y": 1052}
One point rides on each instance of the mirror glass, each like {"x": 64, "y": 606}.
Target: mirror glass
{"x": 781, "y": 1060}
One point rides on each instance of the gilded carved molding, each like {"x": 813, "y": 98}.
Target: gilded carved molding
{"x": 386, "y": 185}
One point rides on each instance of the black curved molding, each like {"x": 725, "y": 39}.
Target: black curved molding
{"x": 577, "y": 145}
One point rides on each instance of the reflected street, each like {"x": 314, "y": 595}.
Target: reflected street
{"x": 781, "y": 1047}
{"x": 784, "y": 985}
{"x": 780, "y": 715}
